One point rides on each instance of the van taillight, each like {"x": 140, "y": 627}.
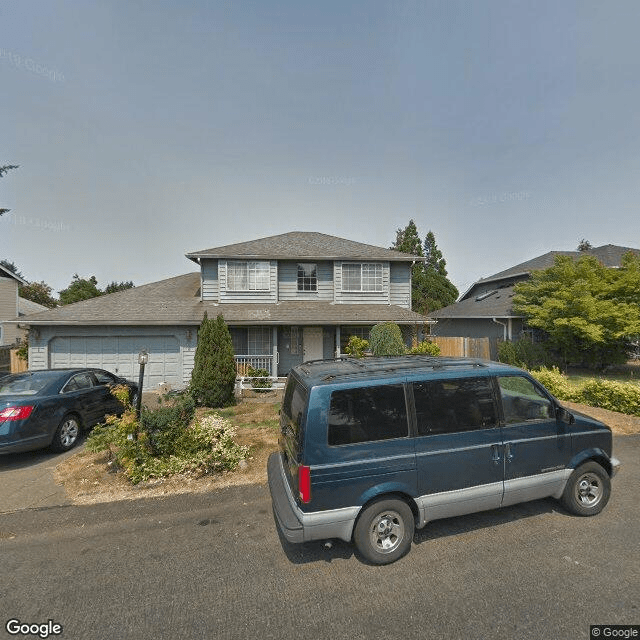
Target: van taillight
{"x": 304, "y": 483}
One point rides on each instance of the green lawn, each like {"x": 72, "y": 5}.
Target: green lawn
{"x": 623, "y": 373}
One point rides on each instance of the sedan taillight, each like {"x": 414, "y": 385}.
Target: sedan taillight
{"x": 15, "y": 413}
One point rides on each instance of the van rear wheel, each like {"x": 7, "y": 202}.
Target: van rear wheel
{"x": 384, "y": 531}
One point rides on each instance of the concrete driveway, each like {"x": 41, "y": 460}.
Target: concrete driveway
{"x": 26, "y": 479}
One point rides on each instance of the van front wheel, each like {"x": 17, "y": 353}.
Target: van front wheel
{"x": 587, "y": 491}
{"x": 384, "y": 531}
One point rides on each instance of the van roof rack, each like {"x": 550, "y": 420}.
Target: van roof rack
{"x": 344, "y": 366}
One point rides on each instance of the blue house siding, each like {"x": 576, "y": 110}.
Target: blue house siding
{"x": 288, "y": 281}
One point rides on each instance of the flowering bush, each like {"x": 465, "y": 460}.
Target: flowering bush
{"x": 425, "y": 348}
{"x": 168, "y": 441}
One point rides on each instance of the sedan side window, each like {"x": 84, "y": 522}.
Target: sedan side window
{"x": 102, "y": 377}
{"x": 522, "y": 401}
{"x": 77, "y": 382}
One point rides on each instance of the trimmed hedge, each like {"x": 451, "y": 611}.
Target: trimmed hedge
{"x": 623, "y": 397}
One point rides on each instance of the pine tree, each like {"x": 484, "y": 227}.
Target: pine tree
{"x": 408, "y": 241}
{"x": 431, "y": 289}
{"x": 214, "y": 371}
{"x": 440, "y": 291}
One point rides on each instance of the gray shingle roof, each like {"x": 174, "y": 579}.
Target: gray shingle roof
{"x": 27, "y": 306}
{"x": 303, "y": 245}
{"x": 609, "y": 254}
{"x": 176, "y": 301}
{"x": 496, "y": 303}
{"x": 475, "y": 303}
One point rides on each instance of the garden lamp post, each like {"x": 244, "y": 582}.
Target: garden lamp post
{"x": 143, "y": 358}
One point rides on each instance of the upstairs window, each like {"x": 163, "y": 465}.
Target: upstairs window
{"x": 307, "y": 276}
{"x": 248, "y": 275}
{"x": 364, "y": 276}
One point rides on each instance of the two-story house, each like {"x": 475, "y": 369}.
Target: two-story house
{"x": 485, "y": 310}
{"x": 13, "y": 306}
{"x": 286, "y": 299}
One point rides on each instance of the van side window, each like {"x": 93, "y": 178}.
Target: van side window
{"x": 366, "y": 414}
{"x": 449, "y": 406}
{"x": 522, "y": 401}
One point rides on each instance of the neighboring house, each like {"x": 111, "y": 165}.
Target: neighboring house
{"x": 485, "y": 310}
{"x": 12, "y": 306}
{"x": 286, "y": 299}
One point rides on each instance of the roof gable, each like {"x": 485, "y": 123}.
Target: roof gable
{"x": 7, "y": 273}
{"x": 303, "y": 245}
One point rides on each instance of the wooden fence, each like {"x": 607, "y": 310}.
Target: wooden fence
{"x": 9, "y": 360}
{"x": 464, "y": 347}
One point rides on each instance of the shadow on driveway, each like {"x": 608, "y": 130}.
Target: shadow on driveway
{"x": 26, "y": 479}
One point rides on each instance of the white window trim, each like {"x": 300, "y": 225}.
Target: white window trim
{"x": 256, "y": 265}
{"x": 378, "y": 267}
{"x": 315, "y": 285}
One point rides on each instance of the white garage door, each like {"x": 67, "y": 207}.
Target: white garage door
{"x": 119, "y": 354}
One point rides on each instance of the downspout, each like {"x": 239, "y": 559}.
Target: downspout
{"x": 504, "y": 327}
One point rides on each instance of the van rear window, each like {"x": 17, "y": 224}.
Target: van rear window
{"x": 367, "y": 414}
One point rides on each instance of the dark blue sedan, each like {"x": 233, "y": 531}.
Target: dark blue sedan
{"x": 49, "y": 408}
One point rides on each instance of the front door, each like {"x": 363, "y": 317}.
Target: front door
{"x": 312, "y": 344}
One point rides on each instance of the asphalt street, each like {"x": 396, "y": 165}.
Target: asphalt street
{"x": 213, "y": 566}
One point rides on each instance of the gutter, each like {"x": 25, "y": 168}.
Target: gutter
{"x": 504, "y": 327}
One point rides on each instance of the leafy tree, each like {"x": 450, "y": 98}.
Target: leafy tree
{"x": 10, "y": 266}
{"x": 38, "y": 292}
{"x": 386, "y": 340}
{"x": 4, "y": 169}
{"x": 430, "y": 287}
{"x": 584, "y": 245}
{"x": 585, "y": 309}
{"x": 214, "y": 370}
{"x": 118, "y": 286}
{"x": 80, "y": 289}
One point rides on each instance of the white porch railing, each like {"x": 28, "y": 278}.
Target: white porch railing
{"x": 244, "y": 363}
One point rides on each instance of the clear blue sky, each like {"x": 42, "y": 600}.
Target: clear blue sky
{"x": 146, "y": 129}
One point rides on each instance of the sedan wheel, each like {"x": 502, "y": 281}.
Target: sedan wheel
{"x": 66, "y": 435}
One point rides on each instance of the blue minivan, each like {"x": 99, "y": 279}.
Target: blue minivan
{"x": 372, "y": 448}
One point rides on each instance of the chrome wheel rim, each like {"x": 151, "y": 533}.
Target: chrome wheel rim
{"x": 387, "y": 531}
{"x": 588, "y": 490}
{"x": 68, "y": 432}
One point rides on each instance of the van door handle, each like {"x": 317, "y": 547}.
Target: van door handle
{"x": 495, "y": 453}
{"x": 507, "y": 453}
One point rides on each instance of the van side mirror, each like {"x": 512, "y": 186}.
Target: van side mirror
{"x": 564, "y": 416}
